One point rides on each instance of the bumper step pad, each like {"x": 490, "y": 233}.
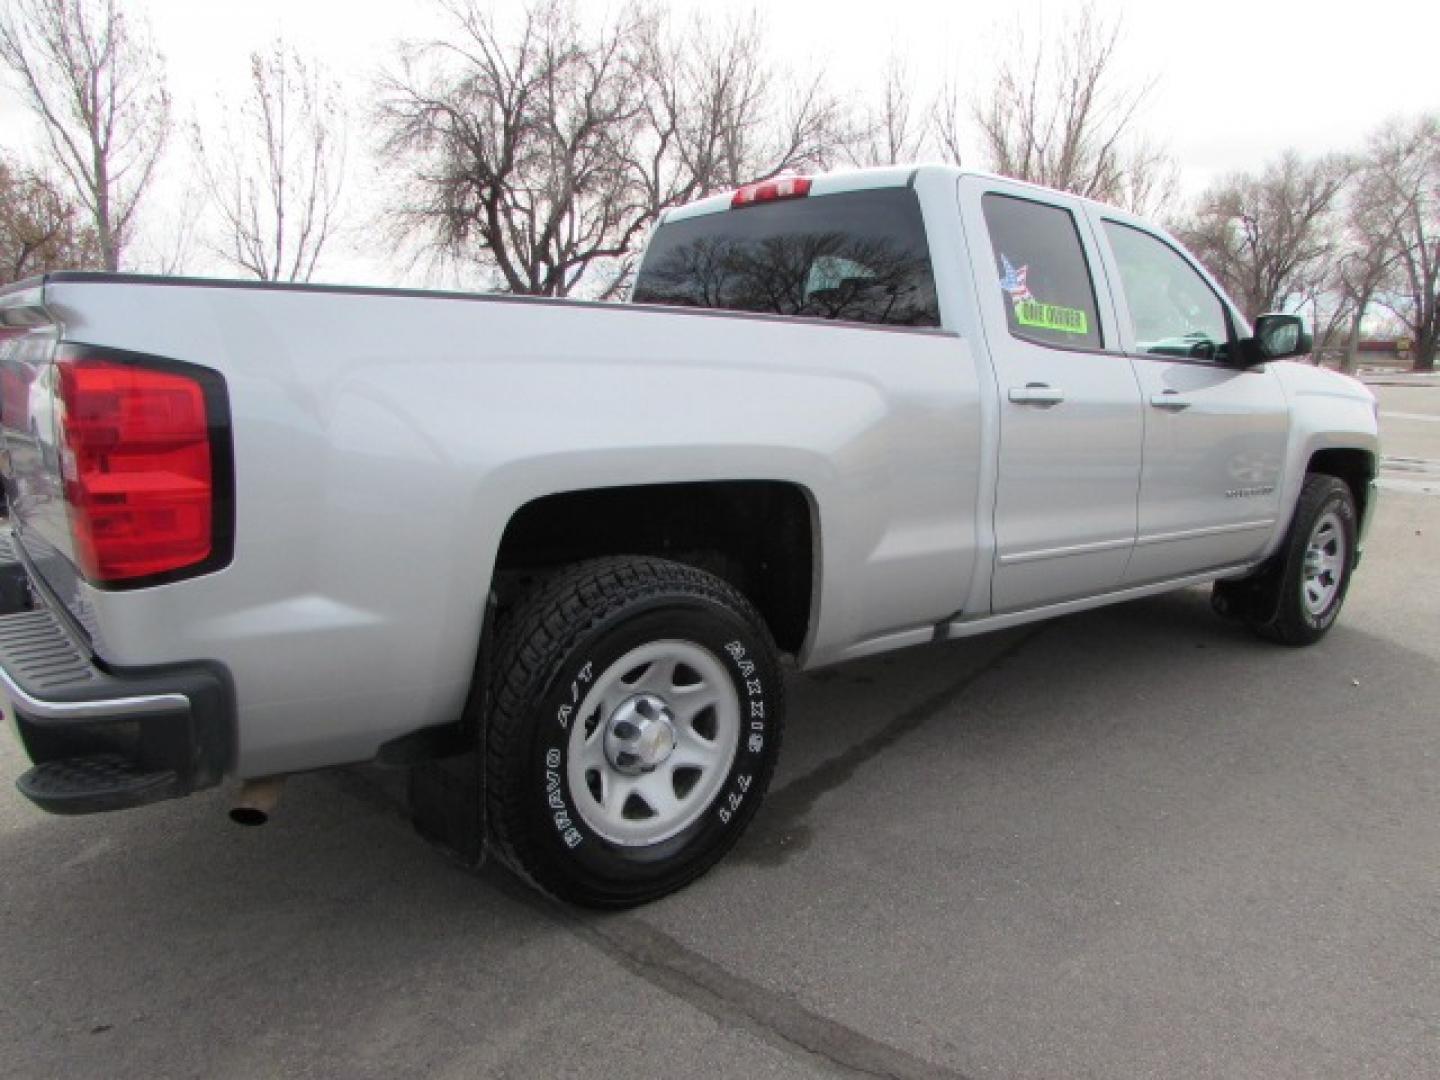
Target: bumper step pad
{"x": 103, "y": 737}
{"x": 40, "y": 655}
{"x": 86, "y": 785}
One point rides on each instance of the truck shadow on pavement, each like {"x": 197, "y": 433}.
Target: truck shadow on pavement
{"x": 334, "y": 941}
{"x": 1151, "y": 630}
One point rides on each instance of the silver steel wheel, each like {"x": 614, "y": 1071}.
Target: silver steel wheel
{"x": 653, "y": 742}
{"x": 1325, "y": 557}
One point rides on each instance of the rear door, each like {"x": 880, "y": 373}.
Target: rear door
{"x": 1215, "y": 434}
{"x": 1070, "y": 412}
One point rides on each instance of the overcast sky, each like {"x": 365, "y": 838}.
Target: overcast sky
{"x": 1237, "y": 81}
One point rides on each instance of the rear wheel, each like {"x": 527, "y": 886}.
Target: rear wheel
{"x": 635, "y": 726}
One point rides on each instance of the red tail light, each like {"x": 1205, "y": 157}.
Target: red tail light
{"x": 139, "y": 469}
{"x": 784, "y": 187}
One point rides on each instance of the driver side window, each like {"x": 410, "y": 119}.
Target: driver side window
{"x": 1173, "y": 311}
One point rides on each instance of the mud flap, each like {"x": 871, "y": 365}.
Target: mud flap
{"x": 1251, "y": 599}
{"x": 447, "y": 805}
{"x": 447, "y": 791}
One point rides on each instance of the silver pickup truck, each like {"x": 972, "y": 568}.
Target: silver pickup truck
{"x": 550, "y": 555}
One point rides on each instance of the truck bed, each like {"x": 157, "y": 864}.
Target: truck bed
{"x": 386, "y": 439}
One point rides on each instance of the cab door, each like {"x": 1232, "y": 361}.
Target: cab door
{"x": 1070, "y": 425}
{"x": 1215, "y": 433}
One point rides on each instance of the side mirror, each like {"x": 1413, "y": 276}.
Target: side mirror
{"x": 1276, "y": 338}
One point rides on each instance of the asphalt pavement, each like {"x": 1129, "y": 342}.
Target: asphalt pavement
{"x": 1136, "y": 842}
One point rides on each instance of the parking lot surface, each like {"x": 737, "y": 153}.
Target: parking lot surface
{"x": 1135, "y": 842}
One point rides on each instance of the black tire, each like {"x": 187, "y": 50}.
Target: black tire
{"x": 561, "y": 649}
{"x": 1294, "y": 609}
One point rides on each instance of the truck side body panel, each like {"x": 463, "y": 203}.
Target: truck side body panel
{"x": 387, "y": 440}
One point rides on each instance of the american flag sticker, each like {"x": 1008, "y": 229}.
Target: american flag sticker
{"x": 1013, "y": 281}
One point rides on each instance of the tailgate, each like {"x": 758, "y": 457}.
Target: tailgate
{"x": 117, "y": 465}
{"x": 29, "y": 454}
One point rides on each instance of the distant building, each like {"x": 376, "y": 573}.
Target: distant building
{"x": 1370, "y": 353}
{"x": 1384, "y": 352}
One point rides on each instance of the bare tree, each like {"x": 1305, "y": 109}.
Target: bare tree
{"x": 41, "y": 228}
{"x": 1058, "y": 115}
{"x": 1403, "y": 166}
{"x": 520, "y": 143}
{"x": 1368, "y": 257}
{"x": 91, "y": 75}
{"x": 948, "y": 112}
{"x": 275, "y": 175}
{"x": 177, "y": 228}
{"x": 892, "y": 131}
{"x": 1270, "y": 238}
{"x": 546, "y": 150}
{"x": 719, "y": 112}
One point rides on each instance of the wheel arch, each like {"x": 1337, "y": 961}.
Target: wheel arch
{"x": 1357, "y": 467}
{"x": 761, "y": 536}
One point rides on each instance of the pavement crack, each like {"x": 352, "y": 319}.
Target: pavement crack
{"x": 732, "y": 1000}
{"x": 785, "y": 807}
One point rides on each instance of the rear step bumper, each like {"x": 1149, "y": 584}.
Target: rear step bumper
{"x": 103, "y": 739}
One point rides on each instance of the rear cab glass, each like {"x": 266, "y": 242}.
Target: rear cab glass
{"x": 858, "y": 256}
{"x": 1041, "y": 268}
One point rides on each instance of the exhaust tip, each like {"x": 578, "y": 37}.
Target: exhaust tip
{"x": 249, "y": 816}
{"x": 256, "y": 800}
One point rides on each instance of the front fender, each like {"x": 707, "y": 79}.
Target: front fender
{"x": 1328, "y": 411}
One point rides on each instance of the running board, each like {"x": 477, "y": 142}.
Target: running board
{"x": 961, "y": 628}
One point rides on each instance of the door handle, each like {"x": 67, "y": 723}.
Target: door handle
{"x": 1037, "y": 394}
{"x": 1170, "y": 399}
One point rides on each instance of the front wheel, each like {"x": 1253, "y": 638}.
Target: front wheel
{"x": 1303, "y": 595}
{"x": 636, "y": 722}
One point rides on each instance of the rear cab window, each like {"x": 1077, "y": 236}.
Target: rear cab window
{"x": 858, "y": 256}
{"x": 1041, "y": 269}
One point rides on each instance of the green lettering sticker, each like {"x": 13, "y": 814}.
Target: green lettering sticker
{"x": 1066, "y": 320}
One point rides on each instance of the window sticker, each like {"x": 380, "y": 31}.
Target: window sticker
{"x": 1013, "y": 282}
{"x": 1032, "y": 312}
{"x": 1066, "y": 320}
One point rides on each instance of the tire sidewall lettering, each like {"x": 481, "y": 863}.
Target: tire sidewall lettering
{"x": 755, "y": 712}
{"x": 752, "y": 676}
{"x": 562, "y": 703}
